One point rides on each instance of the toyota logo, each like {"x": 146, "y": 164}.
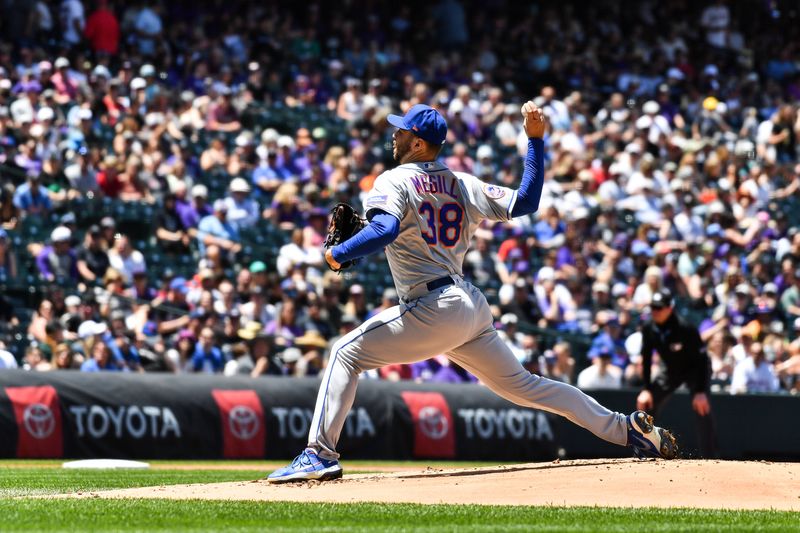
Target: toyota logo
{"x": 432, "y": 423}
{"x": 243, "y": 422}
{"x": 38, "y": 420}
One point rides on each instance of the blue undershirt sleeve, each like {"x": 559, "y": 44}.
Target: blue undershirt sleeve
{"x": 381, "y": 231}
{"x": 530, "y": 190}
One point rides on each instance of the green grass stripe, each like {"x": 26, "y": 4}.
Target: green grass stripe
{"x": 42, "y": 481}
{"x": 193, "y": 515}
{"x": 255, "y": 464}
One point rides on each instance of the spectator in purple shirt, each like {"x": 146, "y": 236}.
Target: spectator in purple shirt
{"x": 191, "y": 213}
{"x": 58, "y": 260}
{"x": 440, "y": 370}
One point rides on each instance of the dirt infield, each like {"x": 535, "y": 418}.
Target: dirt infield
{"x": 613, "y": 482}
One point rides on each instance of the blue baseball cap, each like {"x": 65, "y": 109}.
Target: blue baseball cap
{"x": 424, "y": 122}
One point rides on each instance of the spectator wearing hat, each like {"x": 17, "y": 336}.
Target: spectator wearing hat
{"x": 92, "y": 258}
{"x": 269, "y": 175}
{"x": 66, "y": 87}
{"x": 312, "y": 345}
{"x": 81, "y": 173}
{"x": 682, "y": 360}
{"x": 32, "y": 198}
{"x": 261, "y": 349}
{"x": 215, "y": 229}
{"x": 193, "y": 212}
{"x": 58, "y": 260}
{"x": 601, "y": 374}
{"x": 222, "y": 115}
{"x": 243, "y": 212}
{"x": 509, "y": 333}
{"x": 739, "y": 308}
{"x": 609, "y": 339}
{"x": 290, "y": 361}
{"x": 244, "y": 158}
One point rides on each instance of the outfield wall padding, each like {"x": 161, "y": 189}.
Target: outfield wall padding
{"x": 76, "y": 415}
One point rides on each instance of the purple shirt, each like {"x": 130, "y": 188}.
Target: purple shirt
{"x": 432, "y": 371}
{"x": 189, "y": 214}
{"x": 52, "y": 264}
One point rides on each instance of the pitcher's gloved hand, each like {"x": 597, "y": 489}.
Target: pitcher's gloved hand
{"x": 344, "y": 223}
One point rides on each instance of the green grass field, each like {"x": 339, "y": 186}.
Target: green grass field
{"x": 26, "y": 505}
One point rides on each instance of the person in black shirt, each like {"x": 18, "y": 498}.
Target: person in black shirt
{"x": 683, "y": 359}
{"x": 784, "y": 135}
{"x": 172, "y": 236}
{"x": 92, "y": 258}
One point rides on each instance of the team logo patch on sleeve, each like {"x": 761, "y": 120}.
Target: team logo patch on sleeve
{"x": 377, "y": 201}
{"x": 494, "y": 192}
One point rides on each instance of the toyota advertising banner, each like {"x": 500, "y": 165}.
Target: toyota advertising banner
{"x": 75, "y": 415}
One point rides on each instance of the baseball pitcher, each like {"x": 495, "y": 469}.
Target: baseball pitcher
{"x": 424, "y": 215}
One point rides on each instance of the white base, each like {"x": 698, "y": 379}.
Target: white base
{"x": 105, "y": 463}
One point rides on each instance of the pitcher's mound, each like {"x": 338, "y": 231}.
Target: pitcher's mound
{"x": 611, "y": 483}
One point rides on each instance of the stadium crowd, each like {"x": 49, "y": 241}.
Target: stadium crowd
{"x": 141, "y": 159}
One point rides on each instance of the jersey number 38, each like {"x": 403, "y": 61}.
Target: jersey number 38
{"x": 444, "y": 225}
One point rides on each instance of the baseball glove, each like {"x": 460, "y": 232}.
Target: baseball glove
{"x": 345, "y": 223}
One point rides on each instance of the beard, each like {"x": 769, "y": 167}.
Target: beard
{"x": 400, "y": 149}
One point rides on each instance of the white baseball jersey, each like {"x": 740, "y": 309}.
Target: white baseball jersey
{"x": 438, "y": 211}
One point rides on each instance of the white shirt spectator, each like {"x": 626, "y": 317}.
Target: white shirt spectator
{"x": 127, "y": 266}
{"x": 149, "y": 23}
{"x": 659, "y": 127}
{"x": 565, "y": 302}
{"x": 690, "y": 226}
{"x": 766, "y": 150}
{"x": 575, "y": 199}
{"x": 243, "y": 214}
{"x": 72, "y": 15}
{"x": 263, "y": 316}
{"x": 609, "y": 192}
{"x": 558, "y": 113}
{"x": 7, "y": 360}
{"x": 507, "y": 132}
{"x": 45, "y": 18}
{"x": 747, "y": 377}
{"x": 715, "y": 19}
{"x": 292, "y": 254}
{"x": 591, "y": 378}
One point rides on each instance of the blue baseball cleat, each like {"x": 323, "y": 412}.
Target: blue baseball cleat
{"x": 307, "y": 466}
{"x": 648, "y": 440}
